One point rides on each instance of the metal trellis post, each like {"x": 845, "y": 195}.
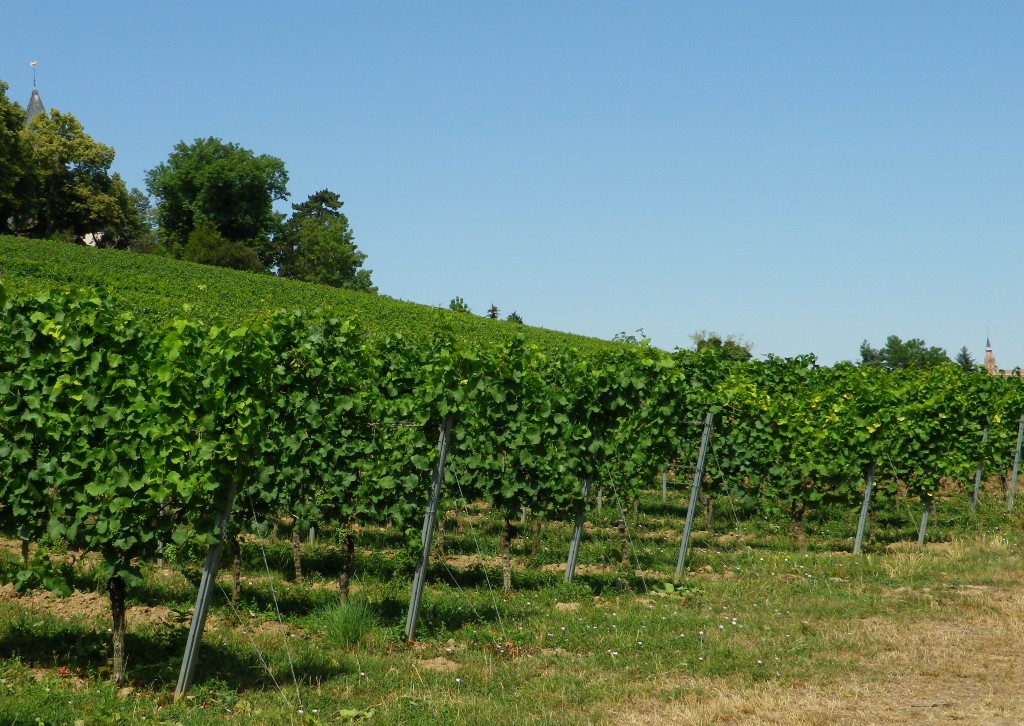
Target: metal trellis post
{"x": 420, "y": 578}
{"x": 980, "y": 469}
{"x": 206, "y": 585}
{"x": 1016, "y": 466}
{"x": 694, "y": 490}
{"x": 924, "y": 522}
{"x": 577, "y": 532}
{"x": 869, "y": 481}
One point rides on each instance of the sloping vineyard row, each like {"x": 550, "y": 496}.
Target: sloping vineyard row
{"x": 118, "y": 434}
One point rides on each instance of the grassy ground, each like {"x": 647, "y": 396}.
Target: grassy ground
{"x": 757, "y": 633}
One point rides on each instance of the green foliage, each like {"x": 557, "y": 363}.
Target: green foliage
{"x": 133, "y": 230}
{"x": 320, "y": 415}
{"x": 628, "y": 338}
{"x": 160, "y": 289}
{"x": 207, "y": 246}
{"x": 223, "y": 184}
{"x": 965, "y": 360}
{"x": 118, "y": 431}
{"x": 458, "y": 305}
{"x": 315, "y": 245}
{"x": 15, "y": 178}
{"x": 344, "y": 625}
{"x": 70, "y": 187}
{"x": 515, "y": 445}
{"x": 730, "y": 347}
{"x": 899, "y": 354}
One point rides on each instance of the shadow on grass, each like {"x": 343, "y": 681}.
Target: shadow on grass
{"x": 154, "y": 655}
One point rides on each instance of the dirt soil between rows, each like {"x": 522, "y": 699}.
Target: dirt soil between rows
{"x": 83, "y": 605}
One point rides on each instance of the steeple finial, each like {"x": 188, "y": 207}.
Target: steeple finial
{"x": 33, "y": 64}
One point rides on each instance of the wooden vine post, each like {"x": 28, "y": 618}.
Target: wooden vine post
{"x": 429, "y": 521}
{"x": 691, "y": 509}
{"x": 348, "y": 565}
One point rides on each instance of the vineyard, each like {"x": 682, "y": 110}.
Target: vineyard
{"x": 161, "y": 289}
{"x": 134, "y": 443}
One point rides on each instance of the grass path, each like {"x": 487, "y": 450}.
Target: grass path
{"x": 959, "y": 662}
{"x": 758, "y": 634}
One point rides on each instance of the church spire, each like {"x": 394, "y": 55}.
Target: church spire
{"x": 990, "y": 358}
{"x": 35, "y": 104}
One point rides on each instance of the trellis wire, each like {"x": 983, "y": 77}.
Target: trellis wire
{"x": 479, "y": 551}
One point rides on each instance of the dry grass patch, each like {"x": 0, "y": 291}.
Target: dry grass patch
{"x": 961, "y": 666}
{"x": 439, "y": 664}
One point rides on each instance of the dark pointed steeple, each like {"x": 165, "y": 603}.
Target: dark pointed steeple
{"x": 35, "y": 107}
{"x": 35, "y": 104}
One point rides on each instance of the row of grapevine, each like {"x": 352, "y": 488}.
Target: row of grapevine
{"x": 117, "y": 434}
{"x": 803, "y": 436}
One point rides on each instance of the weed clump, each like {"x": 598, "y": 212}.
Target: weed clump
{"x": 344, "y": 624}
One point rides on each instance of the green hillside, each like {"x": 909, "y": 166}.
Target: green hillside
{"x": 162, "y": 289}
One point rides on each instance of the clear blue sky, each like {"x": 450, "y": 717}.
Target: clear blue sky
{"x": 805, "y": 175}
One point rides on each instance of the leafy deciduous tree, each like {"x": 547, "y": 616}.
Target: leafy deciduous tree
{"x": 72, "y": 189}
{"x": 134, "y": 231}
{"x": 730, "y": 347}
{"x": 207, "y": 246}
{"x": 14, "y": 162}
{"x": 224, "y": 184}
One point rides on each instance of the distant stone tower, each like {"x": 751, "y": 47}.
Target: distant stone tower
{"x": 35, "y": 104}
{"x": 990, "y": 359}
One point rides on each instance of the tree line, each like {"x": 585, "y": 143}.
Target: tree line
{"x": 210, "y": 202}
